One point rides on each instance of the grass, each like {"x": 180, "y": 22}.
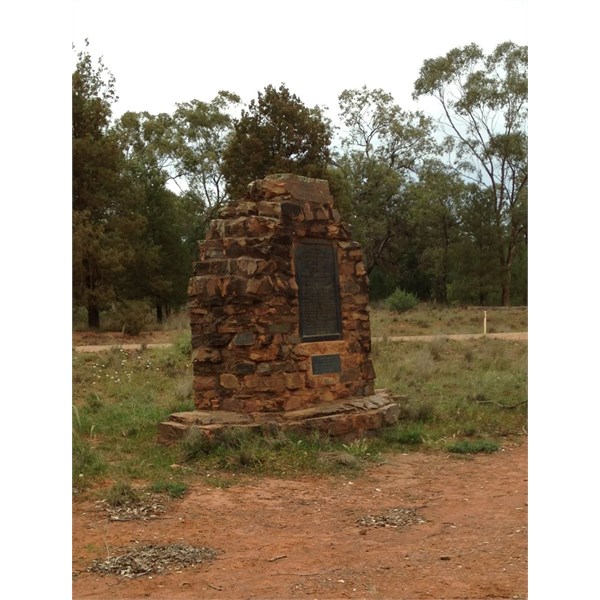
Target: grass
{"x": 122, "y": 493}
{"x": 119, "y": 397}
{"x": 454, "y": 398}
{"x": 456, "y": 389}
{"x": 174, "y": 489}
{"x": 429, "y": 319}
{"x": 473, "y": 446}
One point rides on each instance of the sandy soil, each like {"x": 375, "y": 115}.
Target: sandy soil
{"x": 300, "y": 538}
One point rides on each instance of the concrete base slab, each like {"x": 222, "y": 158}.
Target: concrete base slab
{"x": 347, "y": 419}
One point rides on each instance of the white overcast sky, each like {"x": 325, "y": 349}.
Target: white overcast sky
{"x": 166, "y": 51}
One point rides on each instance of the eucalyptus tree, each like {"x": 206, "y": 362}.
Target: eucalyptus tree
{"x": 476, "y": 279}
{"x": 436, "y": 198}
{"x": 174, "y": 165}
{"x": 382, "y": 149}
{"x": 276, "y": 133}
{"x": 159, "y": 268}
{"x": 484, "y": 102}
{"x": 202, "y": 131}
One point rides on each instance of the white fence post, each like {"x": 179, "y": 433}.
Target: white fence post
{"x": 485, "y": 322}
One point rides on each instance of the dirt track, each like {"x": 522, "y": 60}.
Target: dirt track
{"x": 300, "y": 538}
{"x": 404, "y": 338}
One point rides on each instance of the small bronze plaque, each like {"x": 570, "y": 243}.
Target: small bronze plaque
{"x": 315, "y": 263}
{"x": 326, "y": 363}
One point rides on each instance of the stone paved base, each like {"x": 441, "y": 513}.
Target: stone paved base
{"x": 347, "y": 419}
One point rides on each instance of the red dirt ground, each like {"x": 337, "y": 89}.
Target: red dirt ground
{"x": 299, "y": 538}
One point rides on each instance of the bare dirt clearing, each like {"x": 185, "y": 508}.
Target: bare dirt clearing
{"x": 456, "y": 528}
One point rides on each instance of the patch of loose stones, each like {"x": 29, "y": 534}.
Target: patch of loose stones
{"x": 151, "y": 506}
{"x": 151, "y": 559}
{"x": 396, "y": 517}
{"x": 154, "y": 559}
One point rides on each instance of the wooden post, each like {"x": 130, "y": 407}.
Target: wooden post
{"x": 485, "y": 322}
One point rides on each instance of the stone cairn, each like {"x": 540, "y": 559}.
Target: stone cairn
{"x": 279, "y": 317}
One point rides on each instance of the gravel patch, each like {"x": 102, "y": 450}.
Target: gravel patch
{"x": 151, "y": 559}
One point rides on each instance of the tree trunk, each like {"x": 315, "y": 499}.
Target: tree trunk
{"x": 505, "y": 293}
{"x": 93, "y": 317}
{"x": 507, "y": 275}
{"x": 159, "y": 312}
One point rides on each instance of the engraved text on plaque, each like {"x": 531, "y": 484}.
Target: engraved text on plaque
{"x": 315, "y": 262}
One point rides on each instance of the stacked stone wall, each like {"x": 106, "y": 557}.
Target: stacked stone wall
{"x": 248, "y": 353}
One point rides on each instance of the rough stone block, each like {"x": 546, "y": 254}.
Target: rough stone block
{"x": 299, "y": 188}
{"x": 229, "y": 381}
{"x": 293, "y": 381}
{"x": 206, "y": 355}
{"x": 244, "y": 338}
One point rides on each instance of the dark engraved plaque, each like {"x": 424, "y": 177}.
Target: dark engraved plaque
{"x": 326, "y": 363}
{"x": 315, "y": 262}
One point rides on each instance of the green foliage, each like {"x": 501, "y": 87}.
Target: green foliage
{"x": 131, "y": 235}
{"x": 160, "y": 258}
{"x": 121, "y": 494}
{"x": 484, "y": 100}
{"x": 276, "y": 134}
{"x": 86, "y": 461}
{"x": 381, "y": 284}
{"x": 99, "y": 222}
{"x": 174, "y": 489}
{"x": 434, "y": 201}
{"x": 202, "y": 133}
{"x": 272, "y": 452}
{"x": 404, "y": 434}
{"x": 401, "y": 301}
{"x": 194, "y": 444}
{"x": 185, "y": 148}
{"x": 383, "y": 147}
{"x": 183, "y": 343}
{"x": 359, "y": 448}
{"x": 133, "y": 316}
{"x": 93, "y": 402}
{"x": 452, "y": 233}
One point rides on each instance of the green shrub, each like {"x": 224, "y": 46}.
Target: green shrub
{"x": 174, "y": 489}
{"x": 194, "y": 445}
{"x": 419, "y": 410}
{"x": 93, "y": 402}
{"x": 134, "y": 316}
{"x": 401, "y": 301}
{"x": 121, "y": 494}
{"x": 359, "y": 448}
{"x": 86, "y": 462}
{"x": 183, "y": 343}
{"x": 409, "y": 435}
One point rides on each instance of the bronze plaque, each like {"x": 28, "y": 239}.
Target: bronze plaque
{"x": 315, "y": 262}
{"x": 326, "y": 363}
